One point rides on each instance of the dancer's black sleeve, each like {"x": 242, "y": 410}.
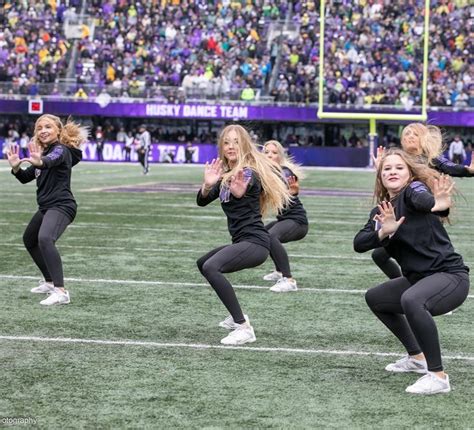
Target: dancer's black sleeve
{"x": 211, "y": 196}
{"x": 25, "y": 176}
{"x": 368, "y": 237}
{"x": 443, "y": 165}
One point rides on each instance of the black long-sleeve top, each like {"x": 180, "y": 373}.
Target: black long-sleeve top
{"x": 421, "y": 245}
{"x": 295, "y": 210}
{"x": 443, "y": 165}
{"x": 244, "y": 219}
{"x": 53, "y": 178}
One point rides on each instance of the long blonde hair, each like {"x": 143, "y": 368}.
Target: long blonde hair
{"x": 418, "y": 172}
{"x": 69, "y": 134}
{"x": 431, "y": 139}
{"x": 285, "y": 159}
{"x": 275, "y": 194}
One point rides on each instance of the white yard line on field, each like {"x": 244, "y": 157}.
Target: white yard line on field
{"x": 182, "y": 284}
{"x": 207, "y": 346}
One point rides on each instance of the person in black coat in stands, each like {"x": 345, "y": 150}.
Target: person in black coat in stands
{"x": 54, "y": 150}
{"x": 407, "y": 223}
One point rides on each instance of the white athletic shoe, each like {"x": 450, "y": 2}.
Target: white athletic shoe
{"x": 408, "y": 364}
{"x": 242, "y": 334}
{"x": 43, "y": 288}
{"x": 57, "y": 297}
{"x": 230, "y": 324}
{"x": 274, "y": 276}
{"x": 430, "y": 384}
{"x": 284, "y": 285}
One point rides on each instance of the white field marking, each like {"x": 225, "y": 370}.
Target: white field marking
{"x": 196, "y": 251}
{"x": 159, "y": 239}
{"x": 187, "y": 251}
{"x": 207, "y": 346}
{"x": 184, "y": 284}
{"x": 194, "y": 217}
{"x": 199, "y": 217}
{"x": 106, "y": 226}
{"x": 178, "y": 284}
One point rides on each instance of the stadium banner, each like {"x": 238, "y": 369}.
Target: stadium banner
{"x": 159, "y": 153}
{"x": 214, "y": 111}
{"x": 175, "y": 153}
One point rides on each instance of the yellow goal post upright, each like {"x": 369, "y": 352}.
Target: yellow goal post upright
{"x": 373, "y": 117}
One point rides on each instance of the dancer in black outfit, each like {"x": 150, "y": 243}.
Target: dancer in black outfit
{"x": 407, "y": 224}
{"x": 247, "y": 184}
{"x": 291, "y": 224}
{"x": 425, "y": 142}
{"x": 53, "y": 152}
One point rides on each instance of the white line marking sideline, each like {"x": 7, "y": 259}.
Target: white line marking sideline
{"x": 186, "y": 284}
{"x": 206, "y": 346}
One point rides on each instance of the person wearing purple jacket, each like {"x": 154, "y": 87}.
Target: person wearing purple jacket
{"x": 54, "y": 150}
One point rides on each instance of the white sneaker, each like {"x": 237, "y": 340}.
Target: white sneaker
{"x": 284, "y": 285}
{"x": 230, "y": 324}
{"x": 274, "y": 276}
{"x": 430, "y": 384}
{"x": 408, "y": 364}
{"x": 242, "y": 334}
{"x": 57, "y": 297}
{"x": 43, "y": 288}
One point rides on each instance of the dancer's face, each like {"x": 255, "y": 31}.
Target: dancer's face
{"x": 231, "y": 148}
{"x": 271, "y": 151}
{"x": 411, "y": 142}
{"x": 395, "y": 174}
{"x": 46, "y": 131}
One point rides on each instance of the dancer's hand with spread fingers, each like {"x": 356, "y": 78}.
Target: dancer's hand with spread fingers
{"x": 14, "y": 157}
{"x": 212, "y": 175}
{"x": 35, "y": 155}
{"x": 238, "y": 184}
{"x": 376, "y": 159}
{"x": 389, "y": 223}
{"x": 442, "y": 191}
{"x": 293, "y": 185}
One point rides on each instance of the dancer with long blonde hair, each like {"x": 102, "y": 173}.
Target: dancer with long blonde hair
{"x": 291, "y": 223}
{"x": 54, "y": 150}
{"x": 247, "y": 184}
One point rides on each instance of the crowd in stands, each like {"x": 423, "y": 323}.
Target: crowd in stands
{"x": 177, "y": 50}
{"x": 206, "y": 48}
{"x": 374, "y": 53}
{"x": 33, "y": 47}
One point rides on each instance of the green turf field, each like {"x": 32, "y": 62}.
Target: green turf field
{"x": 138, "y": 347}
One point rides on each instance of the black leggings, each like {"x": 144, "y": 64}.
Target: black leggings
{"x": 407, "y": 310}
{"x": 283, "y": 232}
{"x": 228, "y": 259}
{"x": 143, "y": 158}
{"x": 386, "y": 263}
{"x": 40, "y": 239}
